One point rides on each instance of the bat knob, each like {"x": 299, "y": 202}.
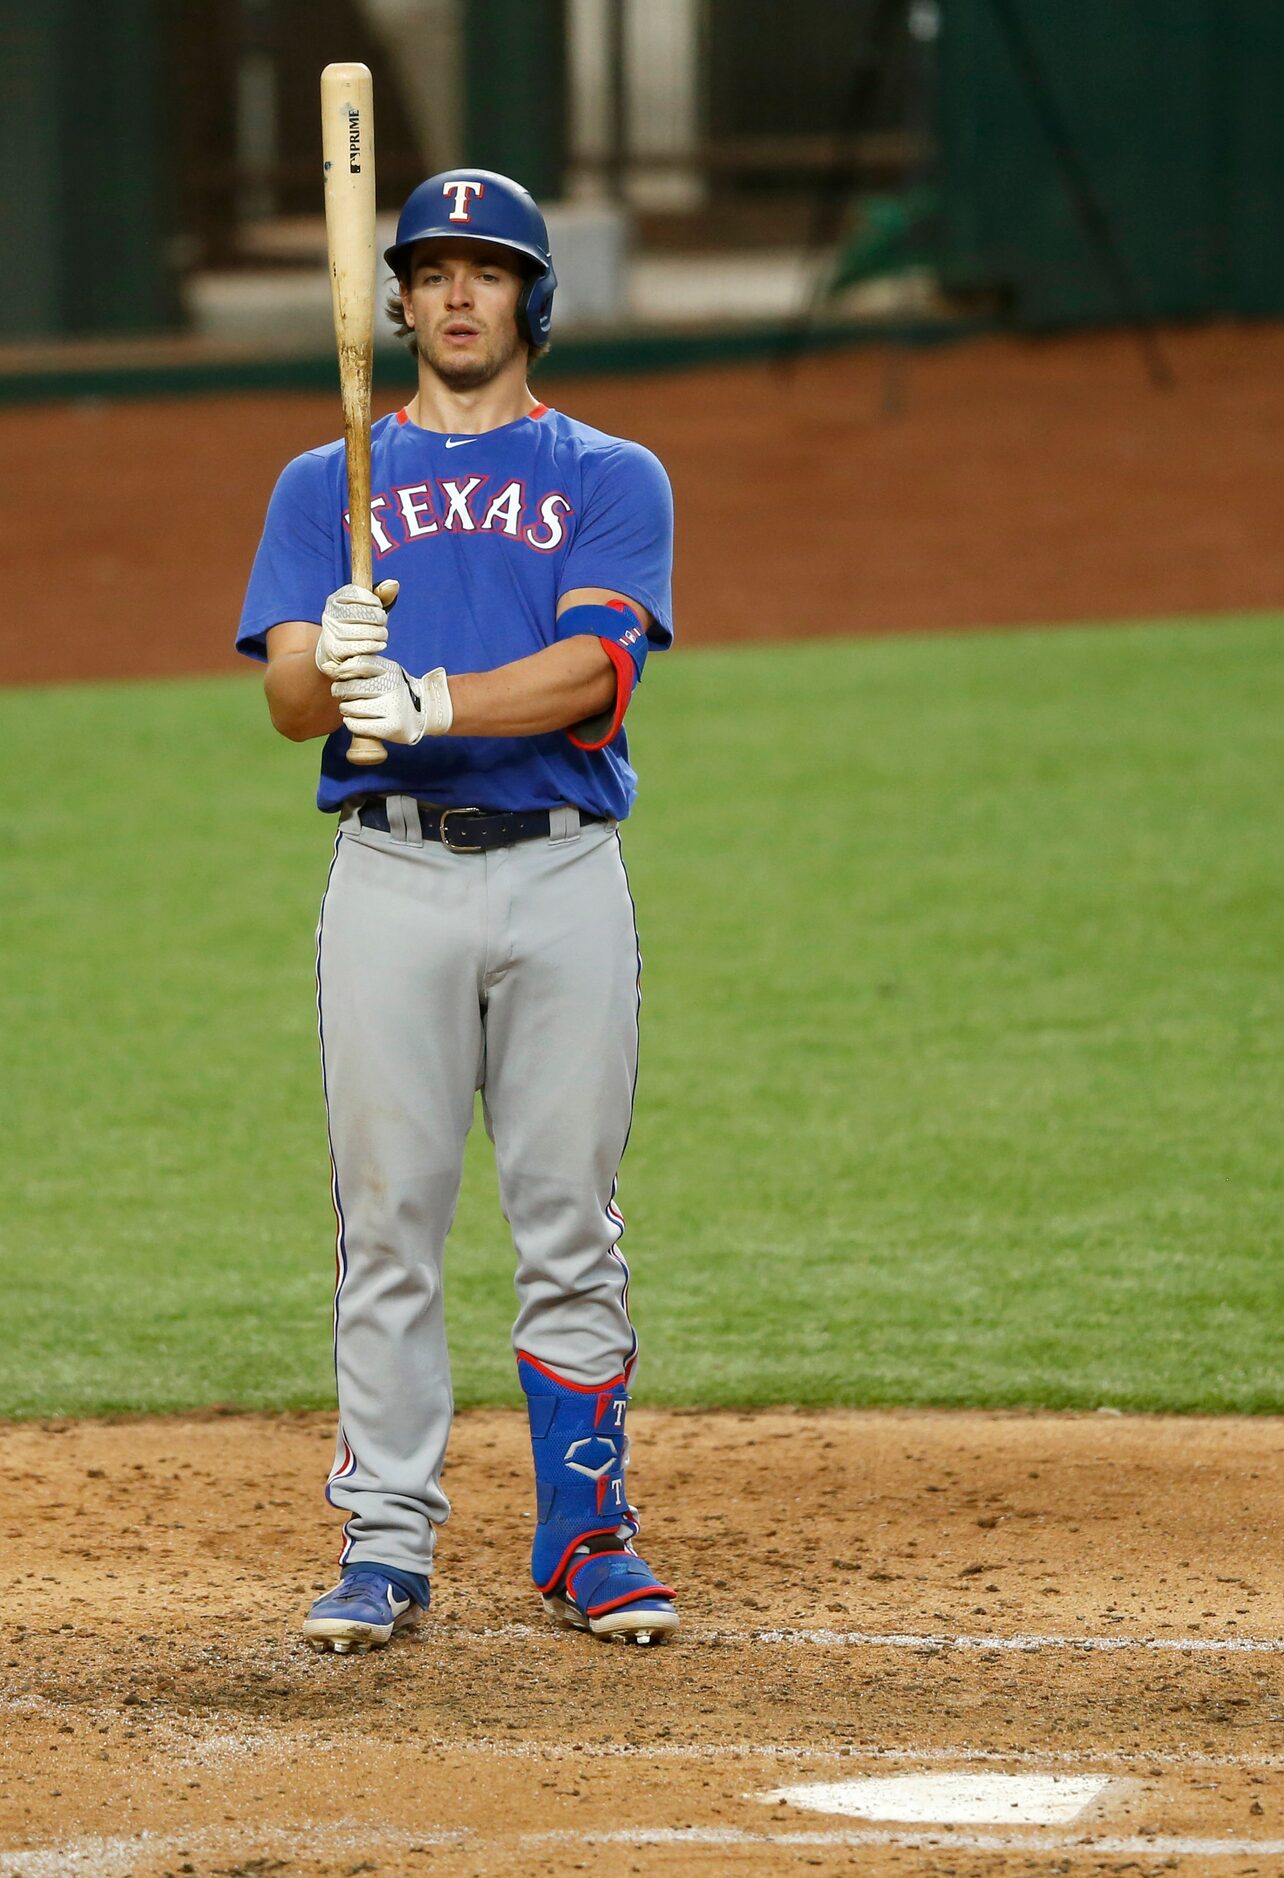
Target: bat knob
{"x": 366, "y": 750}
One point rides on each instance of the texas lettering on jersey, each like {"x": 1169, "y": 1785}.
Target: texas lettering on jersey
{"x": 464, "y": 505}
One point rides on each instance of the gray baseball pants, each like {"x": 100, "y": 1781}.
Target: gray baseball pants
{"x": 514, "y": 972}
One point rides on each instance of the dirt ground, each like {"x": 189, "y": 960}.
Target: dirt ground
{"x": 863, "y": 1594}
{"x": 1021, "y": 483}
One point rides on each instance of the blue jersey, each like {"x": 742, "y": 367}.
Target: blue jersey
{"x": 485, "y": 534}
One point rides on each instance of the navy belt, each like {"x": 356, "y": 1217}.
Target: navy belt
{"x": 466, "y": 830}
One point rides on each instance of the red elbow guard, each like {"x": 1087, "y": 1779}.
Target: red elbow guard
{"x": 585, "y": 736}
{"x": 616, "y": 628}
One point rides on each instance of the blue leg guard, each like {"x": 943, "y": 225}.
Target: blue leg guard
{"x": 582, "y": 1558}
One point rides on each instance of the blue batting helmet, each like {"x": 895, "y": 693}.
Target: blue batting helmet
{"x": 483, "y": 206}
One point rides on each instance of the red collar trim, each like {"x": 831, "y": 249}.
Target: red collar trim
{"x": 541, "y": 410}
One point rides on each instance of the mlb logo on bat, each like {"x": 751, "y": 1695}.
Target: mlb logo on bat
{"x": 461, "y": 192}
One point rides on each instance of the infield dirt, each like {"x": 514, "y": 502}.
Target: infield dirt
{"x": 1021, "y": 483}
{"x": 162, "y": 1715}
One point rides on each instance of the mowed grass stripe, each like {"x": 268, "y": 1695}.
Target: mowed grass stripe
{"x": 961, "y": 1036}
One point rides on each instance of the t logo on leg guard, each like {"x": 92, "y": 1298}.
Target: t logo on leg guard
{"x": 607, "y": 1473}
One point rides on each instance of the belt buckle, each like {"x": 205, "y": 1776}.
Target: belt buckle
{"x": 457, "y": 847}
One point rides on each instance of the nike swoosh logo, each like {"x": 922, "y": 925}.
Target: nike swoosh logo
{"x": 456, "y": 443}
{"x": 397, "y": 1605}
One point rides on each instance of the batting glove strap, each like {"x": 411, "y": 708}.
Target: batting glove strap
{"x": 581, "y": 1451}
{"x": 379, "y": 698}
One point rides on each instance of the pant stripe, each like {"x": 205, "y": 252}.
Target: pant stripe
{"x": 345, "y": 1460}
{"x": 613, "y": 1211}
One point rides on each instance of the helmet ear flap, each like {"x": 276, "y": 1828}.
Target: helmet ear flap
{"x": 535, "y": 306}
{"x": 523, "y": 311}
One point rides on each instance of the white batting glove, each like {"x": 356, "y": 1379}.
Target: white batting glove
{"x": 354, "y": 625}
{"x": 379, "y": 698}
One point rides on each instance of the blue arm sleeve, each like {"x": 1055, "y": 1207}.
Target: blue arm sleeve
{"x": 301, "y": 558}
{"x": 614, "y": 624}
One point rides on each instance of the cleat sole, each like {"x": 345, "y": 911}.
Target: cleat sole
{"x": 649, "y": 1629}
{"x": 347, "y": 1639}
{"x": 565, "y": 1614}
{"x": 623, "y": 1626}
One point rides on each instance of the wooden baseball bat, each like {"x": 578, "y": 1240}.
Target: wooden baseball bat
{"x": 347, "y": 149}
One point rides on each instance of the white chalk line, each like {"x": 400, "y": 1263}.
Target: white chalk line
{"x": 114, "y": 1856}
{"x": 779, "y": 1751}
{"x": 927, "y": 1641}
{"x": 108, "y": 1857}
{"x": 192, "y": 1744}
{"x": 1034, "y": 1838}
{"x": 1023, "y": 1645}
{"x": 194, "y": 1750}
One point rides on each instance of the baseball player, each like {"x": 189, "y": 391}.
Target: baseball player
{"x": 477, "y": 931}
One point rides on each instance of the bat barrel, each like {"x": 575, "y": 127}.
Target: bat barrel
{"x": 347, "y": 149}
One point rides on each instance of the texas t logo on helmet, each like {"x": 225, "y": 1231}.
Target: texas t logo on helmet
{"x": 485, "y": 207}
{"x": 461, "y": 192}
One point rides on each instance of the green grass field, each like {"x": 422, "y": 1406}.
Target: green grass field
{"x": 961, "y": 1076}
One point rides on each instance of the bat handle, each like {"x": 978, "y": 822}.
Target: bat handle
{"x": 366, "y": 750}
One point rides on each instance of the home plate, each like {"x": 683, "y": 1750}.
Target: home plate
{"x": 957, "y": 1799}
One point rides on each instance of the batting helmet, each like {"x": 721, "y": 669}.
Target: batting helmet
{"x": 481, "y": 205}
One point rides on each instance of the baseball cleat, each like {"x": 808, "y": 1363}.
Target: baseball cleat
{"x": 614, "y": 1594}
{"x": 365, "y": 1609}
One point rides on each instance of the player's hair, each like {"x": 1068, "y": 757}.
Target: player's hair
{"x": 397, "y": 314}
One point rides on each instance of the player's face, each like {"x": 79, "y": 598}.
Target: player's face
{"x": 462, "y": 304}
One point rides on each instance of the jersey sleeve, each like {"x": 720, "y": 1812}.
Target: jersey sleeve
{"x": 300, "y": 560}
{"x": 624, "y": 535}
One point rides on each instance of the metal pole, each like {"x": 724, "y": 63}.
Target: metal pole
{"x": 1088, "y": 204}
{"x": 617, "y": 138}
{"x": 836, "y": 190}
